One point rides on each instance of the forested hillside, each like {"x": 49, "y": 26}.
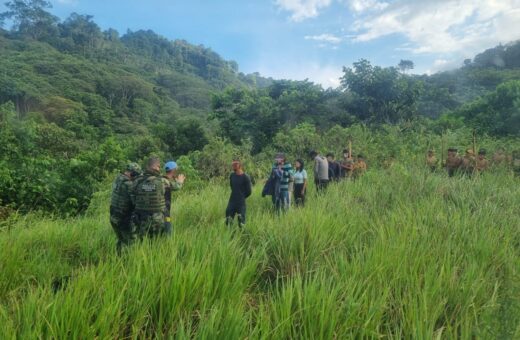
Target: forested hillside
{"x": 76, "y": 102}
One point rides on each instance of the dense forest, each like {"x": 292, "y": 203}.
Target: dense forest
{"x": 77, "y": 102}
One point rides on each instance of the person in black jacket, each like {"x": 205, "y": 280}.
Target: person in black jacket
{"x": 240, "y": 190}
{"x": 334, "y": 168}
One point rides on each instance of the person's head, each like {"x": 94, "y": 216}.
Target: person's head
{"x": 132, "y": 170}
{"x": 469, "y": 152}
{"x": 360, "y": 157}
{"x": 481, "y": 153}
{"x": 345, "y": 153}
{"x": 313, "y": 154}
{"x": 299, "y": 164}
{"x": 431, "y": 153}
{"x": 452, "y": 152}
{"x": 330, "y": 157}
{"x": 500, "y": 151}
{"x": 279, "y": 158}
{"x": 170, "y": 168}
{"x": 236, "y": 165}
{"x": 153, "y": 164}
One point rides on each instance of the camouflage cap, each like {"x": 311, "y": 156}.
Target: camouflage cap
{"x": 133, "y": 167}
{"x": 470, "y": 152}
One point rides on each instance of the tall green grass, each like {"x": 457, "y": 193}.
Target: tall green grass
{"x": 399, "y": 253}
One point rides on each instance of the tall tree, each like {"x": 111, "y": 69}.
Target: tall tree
{"x": 30, "y": 18}
{"x": 405, "y": 65}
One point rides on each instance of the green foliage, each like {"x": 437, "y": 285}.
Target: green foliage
{"x": 497, "y": 113}
{"x": 380, "y": 95}
{"x": 417, "y": 256}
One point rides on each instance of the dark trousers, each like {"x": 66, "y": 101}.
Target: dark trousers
{"x": 299, "y": 197}
{"x": 236, "y": 208}
{"x": 321, "y": 184}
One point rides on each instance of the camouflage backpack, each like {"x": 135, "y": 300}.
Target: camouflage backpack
{"x": 149, "y": 193}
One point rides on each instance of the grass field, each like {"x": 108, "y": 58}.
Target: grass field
{"x": 399, "y": 253}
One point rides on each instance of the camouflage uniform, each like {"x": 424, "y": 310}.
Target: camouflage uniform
{"x": 431, "y": 162}
{"x": 359, "y": 167}
{"x": 468, "y": 162}
{"x": 148, "y": 195}
{"x": 481, "y": 163}
{"x": 121, "y": 208}
{"x": 453, "y": 162}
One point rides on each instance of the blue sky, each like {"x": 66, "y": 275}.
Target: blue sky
{"x": 298, "y": 39}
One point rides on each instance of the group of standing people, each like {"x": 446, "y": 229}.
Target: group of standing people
{"x": 287, "y": 183}
{"x": 140, "y": 205}
{"x": 470, "y": 163}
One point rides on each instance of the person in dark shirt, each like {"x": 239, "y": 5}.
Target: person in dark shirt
{"x": 240, "y": 190}
{"x": 334, "y": 168}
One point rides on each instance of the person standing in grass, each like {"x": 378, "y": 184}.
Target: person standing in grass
{"x": 334, "y": 167}
{"x": 280, "y": 176}
{"x": 148, "y": 196}
{"x": 468, "y": 162}
{"x": 321, "y": 171}
{"x": 481, "y": 164}
{"x": 453, "y": 162}
{"x": 241, "y": 188}
{"x": 121, "y": 206}
{"x": 360, "y": 167}
{"x": 171, "y": 182}
{"x": 300, "y": 183}
{"x": 431, "y": 161}
{"x": 347, "y": 165}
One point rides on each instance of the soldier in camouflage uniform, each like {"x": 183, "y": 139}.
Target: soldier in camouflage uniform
{"x": 468, "y": 162}
{"x": 148, "y": 196}
{"x": 481, "y": 163}
{"x": 431, "y": 160}
{"x": 360, "y": 167}
{"x": 121, "y": 206}
{"x": 453, "y": 162}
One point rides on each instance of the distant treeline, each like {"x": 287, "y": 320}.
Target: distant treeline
{"x": 77, "y": 102}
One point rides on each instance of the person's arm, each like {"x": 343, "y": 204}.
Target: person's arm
{"x": 167, "y": 198}
{"x": 247, "y": 186}
{"x": 304, "y": 182}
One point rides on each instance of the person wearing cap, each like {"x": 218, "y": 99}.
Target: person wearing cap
{"x": 453, "y": 162}
{"x": 240, "y": 184}
{"x": 481, "y": 164}
{"x": 171, "y": 182}
{"x": 431, "y": 160}
{"x": 121, "y": 206}
{"x": 281, "y": 176}
{"x": 468, "y": 162}
{"x": 321, "y": 170}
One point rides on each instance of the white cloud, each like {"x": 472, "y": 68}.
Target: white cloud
{"x": 329, "y": 38}
{"x": 444, "y": 26}
{"x": 303, "y": 9}
{"x": 360, "y": 6}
